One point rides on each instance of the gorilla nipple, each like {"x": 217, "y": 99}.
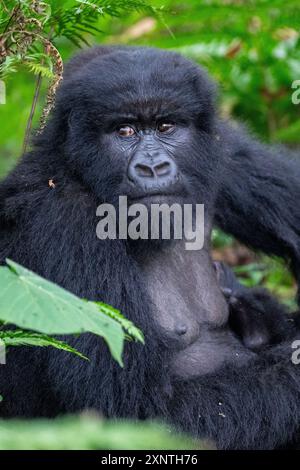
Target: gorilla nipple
{"x": 181, "y": 329}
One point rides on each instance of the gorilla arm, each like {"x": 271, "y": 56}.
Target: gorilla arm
{"x": 258, "y": 198}
{"x": 253, "y": 407}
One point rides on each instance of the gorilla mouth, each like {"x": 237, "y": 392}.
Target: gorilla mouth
{"x": 172, "y": 193}
{"x": 156, "y": 198}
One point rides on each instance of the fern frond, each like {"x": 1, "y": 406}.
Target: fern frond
{"x": 26, "y": 338}
{"x": 37, "y": 69}
{"x": 8, "y": 66}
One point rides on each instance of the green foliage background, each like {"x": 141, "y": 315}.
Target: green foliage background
{"x": 90, "y": 432}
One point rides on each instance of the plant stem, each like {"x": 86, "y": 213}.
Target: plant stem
{"x": 33, "y": 105}
{"x": 32, "y": 111}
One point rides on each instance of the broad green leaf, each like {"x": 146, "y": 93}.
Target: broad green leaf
{"x": 26, "y": 338}
{"x": 33, "y": 303}
{"x": 127, "y": 325}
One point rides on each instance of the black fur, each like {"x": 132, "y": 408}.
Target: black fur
{"x": 254, "y": 315}
{"x": 51, "y": 230}
{"x": 256, "y": 203}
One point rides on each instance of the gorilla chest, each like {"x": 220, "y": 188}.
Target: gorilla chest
{"x": 191, "y": 312}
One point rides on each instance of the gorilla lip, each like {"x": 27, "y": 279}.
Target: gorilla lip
{"x": 154, "y": 197}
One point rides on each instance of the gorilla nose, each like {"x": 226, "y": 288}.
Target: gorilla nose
{"x": 181, "y": 330}
{"x": 153, "y": 173}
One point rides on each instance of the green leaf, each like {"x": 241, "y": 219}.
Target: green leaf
{"x": 134, "y": 332}
{"x": 26, "y": 338}
{"x": 39, "y": 69}
{"x": 33, "y": 303}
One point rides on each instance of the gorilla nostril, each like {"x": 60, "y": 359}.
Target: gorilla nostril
{"x": 162, "y": 169}
{"x": 181, "y": 329}
{"x": 143, "y": 170}
{"x": 154, "y": 172}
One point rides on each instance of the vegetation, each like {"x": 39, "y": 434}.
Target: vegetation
{"x": 90, "y": 433}
{"x": 33, "y": 303}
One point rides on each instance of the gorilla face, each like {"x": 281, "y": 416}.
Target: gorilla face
{"x": 140, "y": 123}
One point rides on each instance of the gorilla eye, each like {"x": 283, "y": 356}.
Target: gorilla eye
{"x": 125, "y": 131}
{"x": 165, "y": 127}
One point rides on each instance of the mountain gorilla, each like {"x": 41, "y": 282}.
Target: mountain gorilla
{"x": 141, "y": 122}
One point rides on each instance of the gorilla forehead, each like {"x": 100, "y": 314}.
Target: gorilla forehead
{"x": 139, "y": 80}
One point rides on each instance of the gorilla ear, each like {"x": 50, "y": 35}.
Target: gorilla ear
{"x": 205, "y": 104}
{"x": 207, "y": 92}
